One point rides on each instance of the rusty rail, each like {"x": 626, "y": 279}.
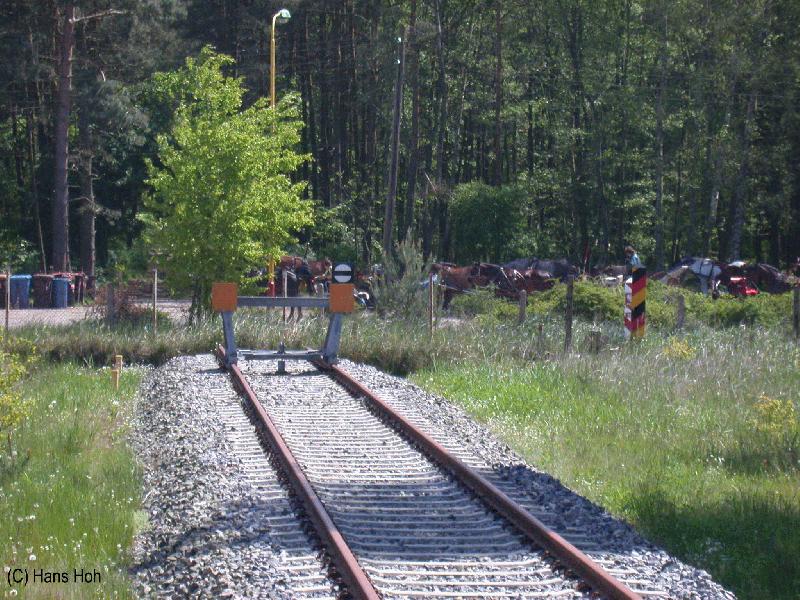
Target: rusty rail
{"x": 352, "y": 574}
{"x": 564, "y": 552}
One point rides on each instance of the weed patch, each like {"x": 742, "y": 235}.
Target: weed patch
{"x": 70, "y": 490}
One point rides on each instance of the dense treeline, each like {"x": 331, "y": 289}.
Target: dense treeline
{"x": 674, "y": 126}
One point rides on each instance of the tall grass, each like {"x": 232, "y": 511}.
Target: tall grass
{"x": 70, "y": 492}
{"x": 695, "y": 440}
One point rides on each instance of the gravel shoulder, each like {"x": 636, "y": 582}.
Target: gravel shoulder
{"x": 214, "y": 530}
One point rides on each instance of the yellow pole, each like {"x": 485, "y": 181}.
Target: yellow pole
{"x": 272, "y": 63}
{"x": 284, "y": 15}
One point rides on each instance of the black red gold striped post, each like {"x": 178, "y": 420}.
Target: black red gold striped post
{"x": 635, "y": 293}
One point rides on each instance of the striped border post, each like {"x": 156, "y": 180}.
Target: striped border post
{"x": 635, "y": 295}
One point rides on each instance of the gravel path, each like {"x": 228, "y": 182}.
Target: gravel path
{"x": 222, "y": 525}
{"x": 177, "y": 310}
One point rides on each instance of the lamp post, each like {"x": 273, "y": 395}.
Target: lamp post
{"x": 281, "y": 16}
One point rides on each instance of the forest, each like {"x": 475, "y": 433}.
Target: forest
{"x": 483, "y": 130}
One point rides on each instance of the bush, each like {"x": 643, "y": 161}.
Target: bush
{"x": 14, "y": 367}
{"x": 400, "y": 291}
{"x": 487, "y": 221}
{"x": 596, "y": 302}
{"x": 483, "y": 303}
{"x": 590, "y": 301}
{"x": 727, "y": 311}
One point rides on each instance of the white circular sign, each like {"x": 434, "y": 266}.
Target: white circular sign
{"x": 343, "y": 273}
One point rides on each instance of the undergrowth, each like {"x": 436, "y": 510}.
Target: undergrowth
{"x": 69, "y": 487}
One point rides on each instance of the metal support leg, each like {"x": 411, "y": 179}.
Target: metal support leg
{"x": 331, "y": 347}
{"x": 230, "y": 342}
{"x": 281, "y": 363}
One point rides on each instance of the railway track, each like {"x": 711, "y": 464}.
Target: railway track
{"x": 399, "y": 518}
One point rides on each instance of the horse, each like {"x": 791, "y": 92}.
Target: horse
{"x": 560, "y": 268}
{"x": 293, "y": 279}
{"x": 767, "y": 278}
{"x": 608, "y": 271}
{"x": 457, "y": 280}
{"x": 483, "y": 274}
{"x": 534, "y": 280}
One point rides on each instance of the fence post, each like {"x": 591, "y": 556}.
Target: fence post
{"x": 523, "y": 304}
{"x": 540, "y": 341}
{"x": 634, "y": 311}
{"x": 796, "y": 311}
{"x": 430, "y": 303}
{"x": 8, "y": 294}
{"x": 285, "y": 280}
{"x": 568, "y": 315}
{"x": 155, "y": 300}
{"x": 680, "y": 316}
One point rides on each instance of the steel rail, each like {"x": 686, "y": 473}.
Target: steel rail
{"x": 567, "y": 554}
{"x": 357, "y": 581}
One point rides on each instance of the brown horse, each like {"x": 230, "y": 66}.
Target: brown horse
{"x": 320, "y": 269}
{"x": 483, "y": 274}
{"x": 767, "y": 278}
{"x": 457, "y": 280}
{"x": 291, "y": 262}
{"x": 534, "y": 280}
{"x": 454, "y": 279}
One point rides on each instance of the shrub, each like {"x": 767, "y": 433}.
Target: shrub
{"x": 13, "y": 408}
{"x": 589, "y": 300}
{"x": 677, "y": 348}
{"x": 400, "y": 292}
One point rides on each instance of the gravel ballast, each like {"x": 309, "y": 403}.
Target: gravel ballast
{"x": 216, "y": 529}
{"x": 212, "y": 530}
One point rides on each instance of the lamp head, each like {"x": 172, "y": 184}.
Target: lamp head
{"x": 282, "y": 16}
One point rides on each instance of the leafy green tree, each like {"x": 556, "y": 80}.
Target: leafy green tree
{"x": 487, "y": 221}
{"x": 222, "y": 199}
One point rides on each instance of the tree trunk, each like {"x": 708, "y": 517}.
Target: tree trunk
{"x": 311, "y": 122}
{"x": 659, "y": 224}
{"x": 388, "y": 224}
{"x": 413, "y": 142}
{"x": 497, "y": 165}
{"x": 60, "y": 251}
{"x": 88, "y": 206}
{"x": 740, "y": 191}
{"x": 34, "y": 190}
{"x": 324, "y": 115}
{"x": 677, "y": 211}
{"x": 713, "y": 202}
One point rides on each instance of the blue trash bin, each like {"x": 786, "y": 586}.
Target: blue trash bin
{"x": 60, "y": 292}
{"x": 20, "y": 291}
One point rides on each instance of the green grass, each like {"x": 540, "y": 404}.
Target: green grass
{"x": 695, "y": 441}
{"x": 70, "y": 495}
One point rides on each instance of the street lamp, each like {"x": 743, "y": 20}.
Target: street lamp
{"x": 281, "y": 16}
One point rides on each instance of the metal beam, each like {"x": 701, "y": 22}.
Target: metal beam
{"x": 268, "y": 302}
{"x": 278, "y": 355}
